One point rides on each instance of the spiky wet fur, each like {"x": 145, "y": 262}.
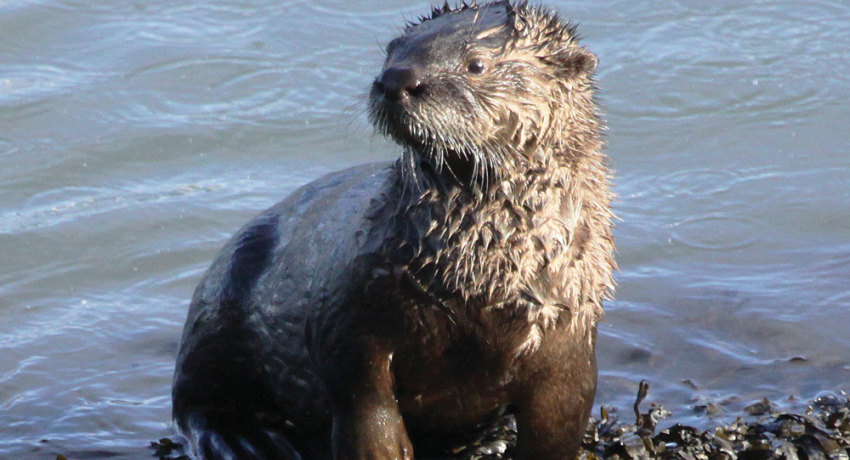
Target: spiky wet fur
{"x": 529, "y": 230}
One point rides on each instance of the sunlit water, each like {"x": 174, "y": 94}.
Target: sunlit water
{"x": 135, "y": 137}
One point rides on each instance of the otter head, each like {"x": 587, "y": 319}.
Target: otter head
{"x": 481, "y": 90}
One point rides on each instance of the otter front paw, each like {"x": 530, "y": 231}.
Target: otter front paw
{"x": 372, "y": 434}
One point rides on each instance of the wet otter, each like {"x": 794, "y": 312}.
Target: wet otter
{"x": 385, "y": 309}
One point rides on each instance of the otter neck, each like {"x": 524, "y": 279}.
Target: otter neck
{"x": 477, "y": 237}
{"x": 535, "y": 244}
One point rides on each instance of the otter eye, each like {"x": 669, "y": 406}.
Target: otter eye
{"x": 476, "y": 66}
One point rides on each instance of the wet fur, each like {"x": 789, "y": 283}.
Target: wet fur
{"x": 387, "y": 308}
{"x": 537, "y": 201}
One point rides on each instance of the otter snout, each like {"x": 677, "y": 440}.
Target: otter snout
{"x": 399, "y": 82}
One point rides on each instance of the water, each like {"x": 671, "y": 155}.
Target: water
{"x": 137, "y": 136}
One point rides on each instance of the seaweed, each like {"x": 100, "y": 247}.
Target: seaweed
{"x": 166, "y": 449}
{"x": 821, "y": 432}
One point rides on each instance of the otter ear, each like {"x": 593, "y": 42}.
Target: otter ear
{"x": 575, "y": 61}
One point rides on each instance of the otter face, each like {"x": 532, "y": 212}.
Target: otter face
{"x": 430, "y": 96}
{"x": 474, "y": 89}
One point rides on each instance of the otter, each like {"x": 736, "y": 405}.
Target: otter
{"x": 393, "y": 308}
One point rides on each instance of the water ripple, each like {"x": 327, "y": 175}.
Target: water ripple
{"x": 215, "y": 89}
{"x": 716, "y": 232}
{"x": 26, "y": 84}
{"x": 756, "y": 60}
{"x": 698, "y": 182}
{"x": 55, "y": 207}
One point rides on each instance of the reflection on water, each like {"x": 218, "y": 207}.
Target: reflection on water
{"x": 137, "y": 137}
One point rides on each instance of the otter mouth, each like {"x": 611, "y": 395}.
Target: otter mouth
{"x": 436, "y": 96}
{"x": 428, "y": 123}
{"x": 394, "y": 107}
{"x": 399, "y": 83}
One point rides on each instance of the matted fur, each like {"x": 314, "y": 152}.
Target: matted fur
{"x": 531, "y": 228}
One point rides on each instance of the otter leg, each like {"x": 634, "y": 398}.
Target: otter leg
{"x": 367, "y": 422}
{"x": 556, "y": 399}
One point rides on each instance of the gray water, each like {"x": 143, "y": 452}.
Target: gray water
{"x": 135, "y": 137}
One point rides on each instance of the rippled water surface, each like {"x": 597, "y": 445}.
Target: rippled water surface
{"x": 135, "y": 137}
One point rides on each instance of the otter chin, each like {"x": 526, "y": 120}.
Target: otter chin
{"x": 400, "y": 307}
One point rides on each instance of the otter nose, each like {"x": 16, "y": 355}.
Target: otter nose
{"x": 399, "y": 82}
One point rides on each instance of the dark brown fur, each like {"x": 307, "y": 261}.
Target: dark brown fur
{"x": 381, "y": 310}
